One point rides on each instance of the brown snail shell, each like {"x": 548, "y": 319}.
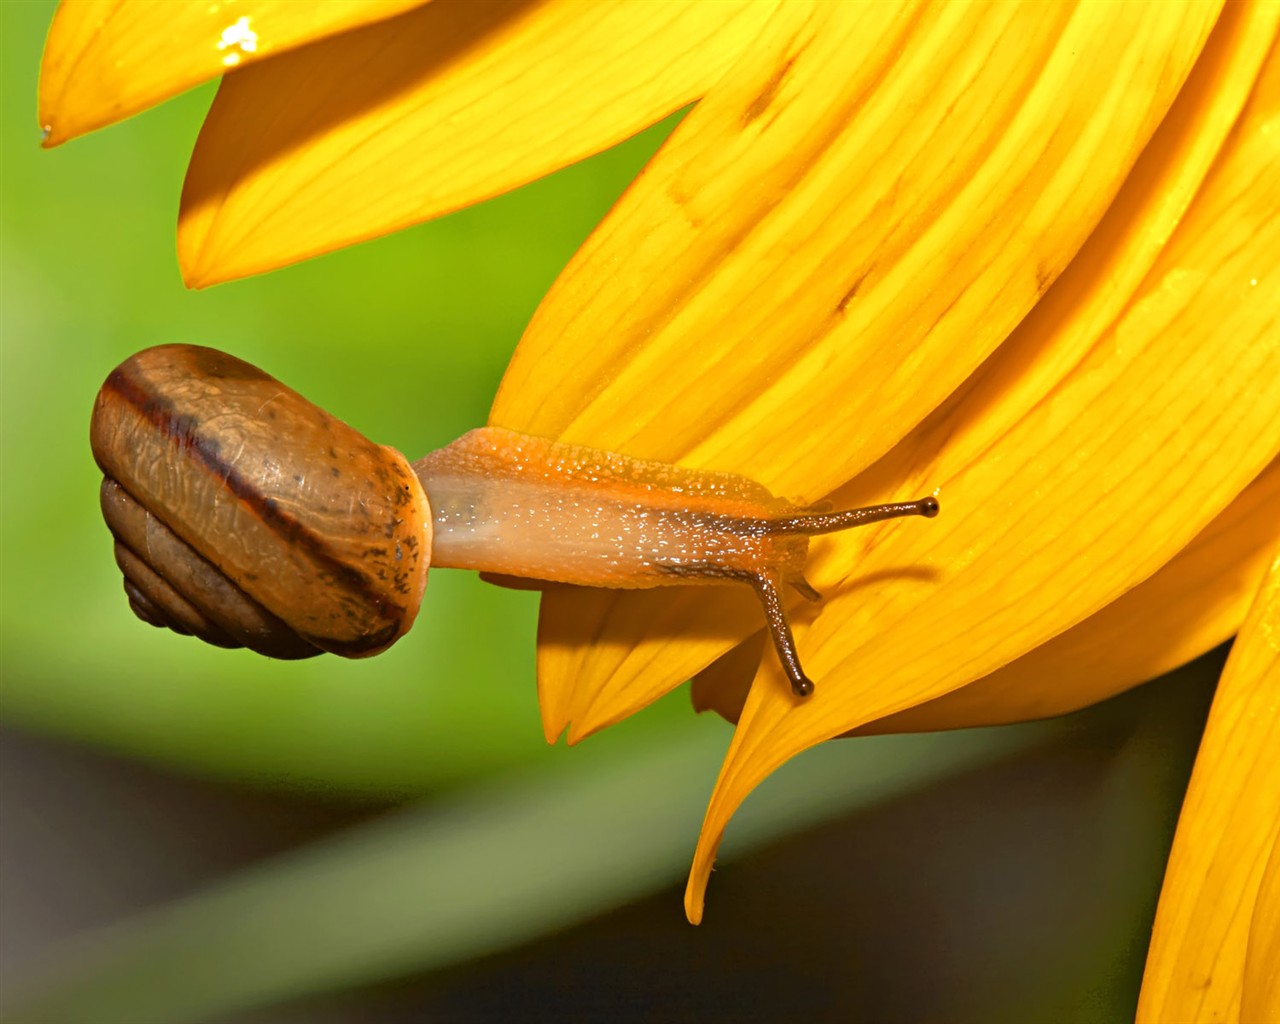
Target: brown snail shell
{"x": 248, "y": 516}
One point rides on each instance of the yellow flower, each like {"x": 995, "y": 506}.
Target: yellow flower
{"x": 1023, "y": 254}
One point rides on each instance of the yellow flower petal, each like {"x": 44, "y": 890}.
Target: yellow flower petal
{"x": 591, "y": 671}
{"x": 1229, "y": 824}
{"x": 641, "y": 645}
{"x": 875, "y": 195}
{"x": 1193, "y": 604}
{"x": 1261, "y": 997}
{"x": 443, "y": 107}
{"x": 1164, "y": 421}
{"x": 107, "y": 59}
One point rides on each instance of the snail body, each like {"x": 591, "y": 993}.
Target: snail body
{"x": 247, "y": 516}
{"x": 511, "y": 504}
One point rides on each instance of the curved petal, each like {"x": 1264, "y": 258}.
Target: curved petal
{"x": 432, "y": 111}
{"x": 1230, "y": 821}
{"x": 575, "y": 640}
{"x": 107, "y": 59}
{"x": 1167, "y": 418}
{"x": 1261, "y": 997}
{"x": 636, "y": 657}
{"x": 1193, "y": 604}
{"x": 875, "y": 194}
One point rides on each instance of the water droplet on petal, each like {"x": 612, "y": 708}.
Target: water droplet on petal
{"x": 45, "y": 132}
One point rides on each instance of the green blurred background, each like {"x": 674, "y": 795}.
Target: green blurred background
{"x": 1002, "y": 874}
{"x": 405, "y": 338}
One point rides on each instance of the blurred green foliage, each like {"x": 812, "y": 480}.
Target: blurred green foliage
{"x": 406, "y": 338}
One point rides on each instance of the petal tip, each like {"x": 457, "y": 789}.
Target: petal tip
{"x": 693, "y": 902}
{"x": 192, "y": 274}
{"x": 553, "y": 725}
{"x": 196, "y": 273}
{"x": 591, "y": 720}
{"x": 195, "y": 282}
{"x": 579, "y": 731}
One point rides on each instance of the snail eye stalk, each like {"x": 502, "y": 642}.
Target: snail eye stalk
{"x": 767, "y": 584}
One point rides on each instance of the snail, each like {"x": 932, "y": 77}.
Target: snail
{"x": 249, "y": 517}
